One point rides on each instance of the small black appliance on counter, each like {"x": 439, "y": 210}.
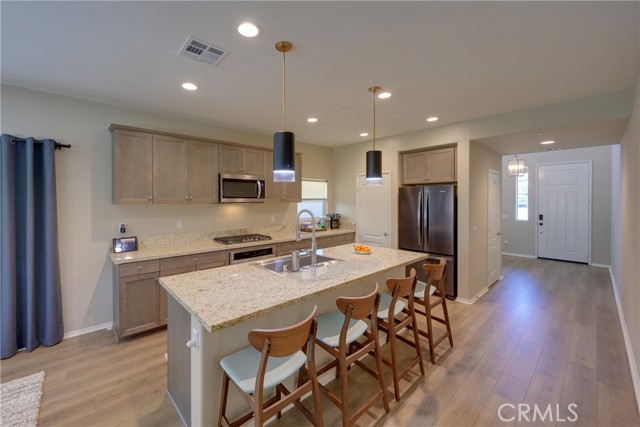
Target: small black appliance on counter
{"x": 335, "y": 220}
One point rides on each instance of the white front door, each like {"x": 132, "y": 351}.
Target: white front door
{"x": 564, "y": 211}
{"x": 373, "y": 212}
{"x": 494, "y": 261}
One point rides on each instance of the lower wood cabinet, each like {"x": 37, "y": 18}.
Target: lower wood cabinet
{"x": 139, "y": 301}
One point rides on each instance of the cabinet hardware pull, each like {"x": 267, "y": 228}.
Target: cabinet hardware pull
{"x": 139, "y": 268}
{"x": 149, "y": 198}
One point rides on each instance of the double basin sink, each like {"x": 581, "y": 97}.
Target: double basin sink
{"x": 284, "y": 264}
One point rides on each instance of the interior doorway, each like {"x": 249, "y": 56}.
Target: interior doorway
{"x": 373, "y": 211}
{"x": 494, "y": 233}
{"x": 564, "y": 211}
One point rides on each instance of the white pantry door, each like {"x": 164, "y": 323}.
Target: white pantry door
{"x": 373, "y": 212}
{"x": 564, "y": 211}
{"x": 494, "y": 258}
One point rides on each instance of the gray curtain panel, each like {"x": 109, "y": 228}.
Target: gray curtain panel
{"x": 31, "y": 305}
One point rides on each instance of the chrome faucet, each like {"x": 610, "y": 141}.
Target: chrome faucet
{"x": 313, "y": 234}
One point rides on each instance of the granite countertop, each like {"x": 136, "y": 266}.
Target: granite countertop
{"x": 166, "y": 246}
{"x": 206, "y": 294}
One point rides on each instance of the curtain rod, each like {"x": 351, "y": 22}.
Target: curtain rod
{"x": 58, "y": 145}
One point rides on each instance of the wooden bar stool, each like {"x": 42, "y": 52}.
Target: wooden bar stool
{"x": 338, "y": 334}
{"x": 390, "y": 307}
{"x": 427, "y": 297}
{"x": 274, "y": 356}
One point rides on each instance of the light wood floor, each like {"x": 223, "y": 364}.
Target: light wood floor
{"x": 548, "y": 333}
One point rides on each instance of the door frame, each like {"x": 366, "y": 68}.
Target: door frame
{"x": 499, "y": 214}
{"x": 590, "y": 196}
{"x": 386, "y": 175}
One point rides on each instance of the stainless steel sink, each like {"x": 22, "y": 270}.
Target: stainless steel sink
{"x": 283, "y": 265}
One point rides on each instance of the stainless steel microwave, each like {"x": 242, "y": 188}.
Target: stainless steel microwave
{"x": 241, "y": 188}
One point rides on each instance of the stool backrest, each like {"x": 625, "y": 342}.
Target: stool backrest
{"x": 361, "y": 306}
{"x": 435, "y": 273}
{"x": 403, "y": 287}
{"x": 285, "y": 341}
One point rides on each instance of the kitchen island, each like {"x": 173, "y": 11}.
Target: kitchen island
{"x": 217, "y": 308}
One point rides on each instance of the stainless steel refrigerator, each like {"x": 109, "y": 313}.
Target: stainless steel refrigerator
{"x": 427, "y": 223}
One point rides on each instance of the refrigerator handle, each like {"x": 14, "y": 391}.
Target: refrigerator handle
{"x": 420, "y": 217}
{"x": 426, "y": 220}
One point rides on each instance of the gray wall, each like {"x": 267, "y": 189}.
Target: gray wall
{"x": 522, "y": 234}
{"x": 625, "y": 231}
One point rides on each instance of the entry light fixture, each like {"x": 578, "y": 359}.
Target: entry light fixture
{"x": 284, "y": 144}
{"x": 515, "y": 167}
{"x": 374, "y": 157}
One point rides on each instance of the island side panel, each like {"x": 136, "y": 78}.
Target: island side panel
{"x": 179, "y": 358}
{"x": 206, "y": 373}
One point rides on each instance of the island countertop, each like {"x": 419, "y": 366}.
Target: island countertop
{"x": 225, "y": 296}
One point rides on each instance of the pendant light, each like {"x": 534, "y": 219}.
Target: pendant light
{"x": 374, "y": 157}
{"x": 515, "y": 167}
{"x": 284, "y": 144}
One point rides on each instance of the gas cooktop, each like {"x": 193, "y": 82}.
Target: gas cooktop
{"x": 242, "y": 238}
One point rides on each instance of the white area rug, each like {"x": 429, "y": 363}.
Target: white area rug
{"x": 20, "y": 401}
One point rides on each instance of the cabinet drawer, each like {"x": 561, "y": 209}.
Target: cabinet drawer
{"x": 286, "y": 248}
{"x": 213, "y": 264}
{"x": 141, "y": 267}
{"x": 327, "y": 241}
{"x": 192, "y": 260}
{"x": 343, "y": 239}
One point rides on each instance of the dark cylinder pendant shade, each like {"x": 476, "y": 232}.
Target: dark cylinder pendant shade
{"x": 374, "y": 165}
{"x": 284, "y": 156}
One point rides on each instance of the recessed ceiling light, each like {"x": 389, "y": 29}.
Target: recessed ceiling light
{"x": 189, "y": 86}
{"x": 432, "y": 119}
{"x": 249, "y": 29}
{"x": 364, "y": 134}
{"x": 312, "y": 120}
{"x": 547, "y": 142}
{"x": 384, "y": 95}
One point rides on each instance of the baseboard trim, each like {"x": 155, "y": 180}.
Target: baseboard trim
{"x": 519, "y": 255}
{"x": 475, "y": 298}
{"x": 603, "y": 266}
{"x": 79, "y": 332}
{"x": 635, "y": 378}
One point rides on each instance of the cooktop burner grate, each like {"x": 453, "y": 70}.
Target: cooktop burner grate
{"x": 242, "y": 238}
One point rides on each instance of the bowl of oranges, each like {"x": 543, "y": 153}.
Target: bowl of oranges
{"x": 362, "y": 249}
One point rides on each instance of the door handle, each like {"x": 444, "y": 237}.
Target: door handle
{"x": 385, "y": 234}
{"x": 498, "y": 233}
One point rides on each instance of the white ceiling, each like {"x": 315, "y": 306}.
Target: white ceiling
{"x": 456, "y": 60}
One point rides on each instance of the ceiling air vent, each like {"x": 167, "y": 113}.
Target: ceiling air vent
{"x": 202, "y": 51}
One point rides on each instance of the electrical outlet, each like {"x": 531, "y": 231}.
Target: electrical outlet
{"x": 179, "y": 224}
{"x": 506, "y": 242}
{"x": 193, "y": 342}
{"x": 122, "y": 228}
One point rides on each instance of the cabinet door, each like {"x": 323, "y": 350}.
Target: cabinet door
{"x": 162, "y": 305}
{"x": 253, "y": 162}
{"x": 293, "y": 190}
{"x": 441, "y": 165}
{"x": 230, "y": 159}
{"x": 170, "y": 166}
{"x": 139, "y": 304}
{"x": 203, "y": 172}
{"x": 344, "y": 239}
{"x": 326, "y": 241}
{"x": 132, "y": 167}
{"x": 414, "y": 168}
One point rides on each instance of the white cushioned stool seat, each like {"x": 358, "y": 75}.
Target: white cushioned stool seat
{"x": 330, "y": 325}
{"x": 421, "y": 287}
{"x": 242, "y": 368}
{"x": 385, "y": 302}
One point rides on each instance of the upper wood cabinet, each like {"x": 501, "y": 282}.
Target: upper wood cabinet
{"x": 160, "y": 168}
{"x": 132, "y": 167}
{"x": 287, "y": 192}
{"x": 184, "y": 171}
{"x": 241, "y": 160}
{"x": 429, "y": 166}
